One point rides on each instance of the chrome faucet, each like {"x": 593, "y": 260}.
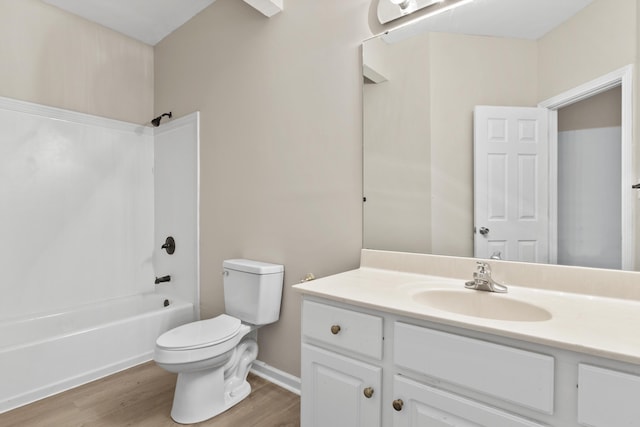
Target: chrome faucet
{"x": 482, "y": 280}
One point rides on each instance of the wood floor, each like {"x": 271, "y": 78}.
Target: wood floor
{"x": 142, "y": 396}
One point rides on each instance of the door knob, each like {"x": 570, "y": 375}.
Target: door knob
{"x": 397, "y": 404}
{"x": 484, "y": 231}
{"x": 368, "y": 392}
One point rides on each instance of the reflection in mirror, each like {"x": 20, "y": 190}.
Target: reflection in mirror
{"x": 421, "y": 88}
{"x": 388, "y": 10}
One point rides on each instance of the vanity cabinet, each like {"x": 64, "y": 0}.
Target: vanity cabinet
{"x": 607, "y": 398}
{"x": 345, "y": 353}
{"x": 521, "y": 377}
{"x": 339, "y": 391}
{"x": 366, "y": 367}
{"x": 342, "y": 378}
{"x": 420, "y": 405}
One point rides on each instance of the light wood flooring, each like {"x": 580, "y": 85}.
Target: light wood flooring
{"x": 142, "y": 396}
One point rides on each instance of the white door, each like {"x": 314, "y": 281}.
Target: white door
{"x": 339, "y": 391}
{"x": 511, "y": 163}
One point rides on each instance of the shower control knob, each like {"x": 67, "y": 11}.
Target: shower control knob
{"x": 335, "y": 329}
{"x": 169, "y": 245}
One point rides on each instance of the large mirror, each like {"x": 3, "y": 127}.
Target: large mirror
{"x": 430, "y": 91}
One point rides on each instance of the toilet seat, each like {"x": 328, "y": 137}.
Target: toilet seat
{"x": 200, "y": 334}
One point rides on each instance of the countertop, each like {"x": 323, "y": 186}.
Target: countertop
{"x": 595, "y": 325}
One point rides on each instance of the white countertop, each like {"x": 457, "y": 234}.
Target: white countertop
{"x": 595, "y": 325}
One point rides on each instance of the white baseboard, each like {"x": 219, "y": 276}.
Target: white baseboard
{"x": 276, "y": 376}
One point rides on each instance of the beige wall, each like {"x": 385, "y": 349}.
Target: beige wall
{"x": 467, "y": 71}
{"x": 280, "y": 103}
{"x": 599, "y": 111}
{"x": 609, "y": 40}
{"x": 54, "y": 58}
{"x": 281, "y": 143}
{"x": 599, "y": 39}
{"x": 397, "y": 152}
{"x": 419, "y": 134}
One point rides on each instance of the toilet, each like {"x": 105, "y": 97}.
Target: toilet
{"x": 212, "y": 357}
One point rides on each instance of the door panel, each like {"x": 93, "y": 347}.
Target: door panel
{"x": 511, "y": 161}
{"x": 333, "y": 389}
{"x": 426, "y": 406}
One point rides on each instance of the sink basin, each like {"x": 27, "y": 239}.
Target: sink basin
{"x": 487, "y": 305}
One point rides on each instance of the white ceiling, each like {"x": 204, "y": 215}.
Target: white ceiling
{"x": 146, "y": 20}
{"x": 152, "y": 20}
{"x": 524, "y": 19}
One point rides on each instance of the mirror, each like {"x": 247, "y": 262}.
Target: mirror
{"x": 422, "y": 82}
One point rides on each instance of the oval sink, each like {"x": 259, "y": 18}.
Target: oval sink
{"x": 487, "y": 305}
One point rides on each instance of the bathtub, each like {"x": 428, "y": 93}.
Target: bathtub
{"x": 48, "y": 353}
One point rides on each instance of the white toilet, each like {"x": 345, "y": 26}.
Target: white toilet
{"x": 212, "y": 357}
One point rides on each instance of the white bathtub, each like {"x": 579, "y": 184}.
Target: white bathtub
{"x": 46, "y": 354}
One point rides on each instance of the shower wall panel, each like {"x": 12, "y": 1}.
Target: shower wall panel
{"x": 76, "y": 208}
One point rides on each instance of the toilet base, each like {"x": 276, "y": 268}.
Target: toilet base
{"x": 203, "y": 394}
{"x": 195, "y": 396}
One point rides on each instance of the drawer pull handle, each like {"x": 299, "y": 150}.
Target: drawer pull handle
{"x": 335, "y": 329}
{"x": 397, "y": 404}
{"x": 368, "y": 392}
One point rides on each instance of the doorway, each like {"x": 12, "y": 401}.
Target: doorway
{"x": 622, "y": 78}
{"x": 589, "y": 178}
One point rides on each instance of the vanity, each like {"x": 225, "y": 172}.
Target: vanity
{"x": 401, "y": 342}
{"x": 449, "y": 178}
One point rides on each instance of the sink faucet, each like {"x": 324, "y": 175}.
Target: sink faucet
{"x": 482, "y": 280}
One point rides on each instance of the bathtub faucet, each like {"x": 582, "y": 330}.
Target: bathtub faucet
{"x": 166, "y": 278}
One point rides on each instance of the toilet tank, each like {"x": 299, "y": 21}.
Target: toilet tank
{"x": 253, "y": 290}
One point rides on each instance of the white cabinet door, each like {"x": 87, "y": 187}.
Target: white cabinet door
{"x": 419, "y": 405}
{"x": 338, "y": 391}
{"x": 510, "y": 374}
{"x": 607, "y": 398}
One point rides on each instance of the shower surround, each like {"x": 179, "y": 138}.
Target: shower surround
{"x": 81, "y": 244}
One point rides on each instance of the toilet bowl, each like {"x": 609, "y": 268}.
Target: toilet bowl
{"x": 212, "y": 357}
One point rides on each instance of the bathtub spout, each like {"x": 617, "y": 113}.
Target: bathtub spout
{"x": 163, "y": 279}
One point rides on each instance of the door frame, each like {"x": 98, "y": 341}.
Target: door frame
{"x": 622, "y": 77}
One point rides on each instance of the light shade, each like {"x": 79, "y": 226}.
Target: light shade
{"x": 388, "y": 10}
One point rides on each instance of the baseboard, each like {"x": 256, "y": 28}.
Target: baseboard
{"x": 276, "y": 376}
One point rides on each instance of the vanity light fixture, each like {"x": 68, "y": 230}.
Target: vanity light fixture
{"x": 388, "y": 10}
{"x": 404, "y": 4}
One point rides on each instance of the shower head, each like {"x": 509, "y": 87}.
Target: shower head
{"x": 156, "y": 122}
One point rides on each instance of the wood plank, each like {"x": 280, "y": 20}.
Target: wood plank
{"x": 142, "y": 396}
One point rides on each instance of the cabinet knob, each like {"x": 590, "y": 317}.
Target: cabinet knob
{"x": 368, "y": 392}
{"x": 335, "y": 329}
{"x": 397, "y": 404}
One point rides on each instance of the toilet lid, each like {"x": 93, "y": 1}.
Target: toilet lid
{"x": 203, "y": 333}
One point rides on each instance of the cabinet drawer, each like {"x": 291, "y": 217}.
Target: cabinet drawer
{"x": 607, "y": 398}
{"x": 510, "y": 374}
{"x": 357, "y": 332}
{"x": 423, "y": 405}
